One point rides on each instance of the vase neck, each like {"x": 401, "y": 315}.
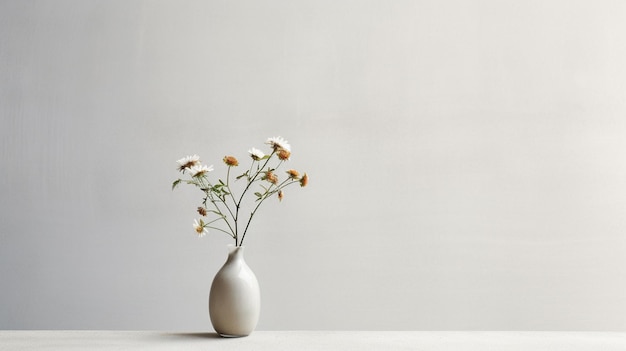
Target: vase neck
{"x": 235, "y": 253}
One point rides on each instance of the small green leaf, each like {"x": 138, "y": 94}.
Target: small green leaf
{"x": 221, "y": 182}
{"x": 176, "y": 182}
{"x": 259, "y": 195}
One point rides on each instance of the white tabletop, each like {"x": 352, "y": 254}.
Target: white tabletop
{"x": 313, "y": 340}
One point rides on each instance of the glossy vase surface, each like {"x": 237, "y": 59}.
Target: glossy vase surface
{"x": 235, "y": 299}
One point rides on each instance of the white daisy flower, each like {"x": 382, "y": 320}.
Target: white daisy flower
{"x": 200, "y": 170}
{"x": 188, "y": 162}
{"x": 278, "y": 143}
{"x": 199, "y": 228}
{"x": 256, "y": 154}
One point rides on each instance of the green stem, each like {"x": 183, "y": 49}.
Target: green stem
{"x": 213, "y": 221}
{"x": 268, "y": 193}
{"x": 220, "y": 229}
{"x": 236, "y": 215}
{"x": 250, "y": 170}
{"x": 250, "y": 181}
{"x": 204, "y": 183}
{"x": 255, "y": 176}
{"x": 222, "y": 216}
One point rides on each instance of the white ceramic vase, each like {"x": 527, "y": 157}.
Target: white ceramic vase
{"x": 235, "y": 299}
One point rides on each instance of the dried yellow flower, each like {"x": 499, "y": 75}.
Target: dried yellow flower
{"x": 202, "y": 211}
{"x": 231, "y": 161}
{"x": 304, "y": 180}
{"x": 284, "y": 154}
{"x": 280, "y": 195}
{"x": 293, "y": 174}
{"x": 270, "y": 177}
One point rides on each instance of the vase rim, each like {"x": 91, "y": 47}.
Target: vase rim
{"x": 232, "y": 248}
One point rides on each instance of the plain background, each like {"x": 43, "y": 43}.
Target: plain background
{"x": 466, "y": 159}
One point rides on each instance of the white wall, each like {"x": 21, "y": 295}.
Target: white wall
{"x": 466, "y": 159}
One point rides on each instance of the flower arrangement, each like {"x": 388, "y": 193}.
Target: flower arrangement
{"x": 220, "y": 201}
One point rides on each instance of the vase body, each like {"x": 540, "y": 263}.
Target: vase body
{"x": 235, "y": 299}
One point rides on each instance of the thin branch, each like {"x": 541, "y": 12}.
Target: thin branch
{"x": 269, "y": 194}
{"x": 220, "y": 229}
